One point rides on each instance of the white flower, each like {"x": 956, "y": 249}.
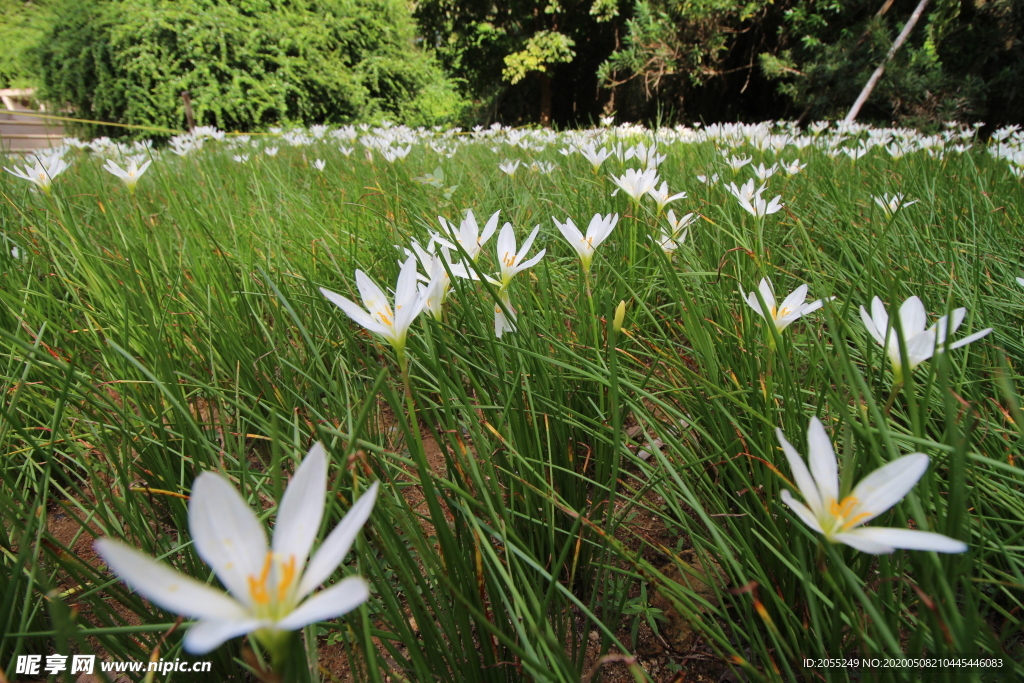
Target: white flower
{"x": 598, "y": 230}
{"x": 468, "y": 234}
{"x": 438, "y": 281}
{"x": 763, "y": 173}
{"x": 319, "y": 164}
{"x": 794, "y": 167}
{"x": 502, "y": 324}
{"x": 267, "y": 586}
{"x": 509, "y": 166}
{"x": 595, "y": 156}
{"x": 129, "y": 176}
{"x": 841, "y": 520}
{"x": 636, "y": 183}
{"x": 378, "y": 316}
{"x": 751, "y": 199}
{"x": 46, "y": 169}
{"x": 511, "y": 261}
{"x": 921, "y": 343}
{"x": 241, "y": 158}
{"x": 736, "y": 163}
{"x": 708, "y": 180}
{"x": 892, "y": 204}
{"x": 662, "y": 197}
{"x": 271, "y": 151}
{"x": 792, "y": 308}
{"x": 671, "y": 239}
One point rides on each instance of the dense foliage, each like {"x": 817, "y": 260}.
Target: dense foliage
{"x": 22, "y": 24}
{"x": 245, "y": 63}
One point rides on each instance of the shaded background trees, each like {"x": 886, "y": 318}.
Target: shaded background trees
{"x": 254, "y": 63}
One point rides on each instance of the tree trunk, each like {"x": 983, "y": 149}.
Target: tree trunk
{"x": 862, "y": 98}
{"x": 545, "y": 99}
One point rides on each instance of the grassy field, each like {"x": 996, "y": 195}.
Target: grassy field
{"x": 574, "y": 499}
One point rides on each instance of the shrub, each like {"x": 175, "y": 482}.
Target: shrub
{"x": 246, "y": 63}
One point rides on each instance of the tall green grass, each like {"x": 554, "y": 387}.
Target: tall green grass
{"x": 148, "y": 338}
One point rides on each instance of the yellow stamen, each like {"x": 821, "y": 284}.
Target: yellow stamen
{"x": 258, "y": 587}
{"x": 841, "y": 510}
{"x": 288, "y": 575}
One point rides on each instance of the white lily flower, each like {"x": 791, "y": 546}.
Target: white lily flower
{"x": 268, "y": 587}
{"x": 752, "y": 202}
{"x": 595, "y": 156}
{"x": 271, "y": 151}
{"x": 671, "y": 239}
{"x": 502, "y": 324}
{"x": 378, "y": 316}
{"x": 512, "y": 261}
{"x": 921, "y": 343}
{"x": 598, "y": 230}
{"x": 46, "y": 169}
{"x": 319, "y": 164}
{"x": 129, "y": 176}
{"x": 438, "y": 282}
{"x": 662, "y": 197}
{"x": 241, "y": 158}
{"x": 763, "y": 173}
{"x": 708, "y": 180}
{"x": 636, "y": 183}
{"x": 1020, "y": 281}
{"x": 794, "y": 167}
{"x": 509, "y": 166}
{"x": 468, "y": 234}
{"x": 736, "y": 163}
{"x": 842, "y": 520}
{"x": 892, "y": 204}
{"x": 792, "y": 308}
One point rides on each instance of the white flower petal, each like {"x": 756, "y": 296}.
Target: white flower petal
{"x": 356, "y": 312}
{"x": 907, "y": 539}
{"x": 302, "y": 507}
{"x": 208, "y": 634}
{"x": 802, "y": 511}
{"x": 795, "y": 299}
{"x": 801, "y": 475}
{"x": 869, "y": 324}
{"x": 970, "y": 338}
{"x": 334, "y": 548}
{"x": 166, "y": 587}
{"x": 226, "y": 533}
{"x": 913, "y": 317}
{"x": 373, "y": 297}
{"x": 860, "y": 539}
{"x": 328, "y": 604}
{"x": 822, "y": 457}
{"x": 887, "y": 485}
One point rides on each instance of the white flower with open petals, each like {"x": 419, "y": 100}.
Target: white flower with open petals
{"x": 268, "y": 586}
{"x": 129, "y": 176}
{"x": 921, "y": 343}
{"x": 47, "y": 167}
{"x": 378, "y": 317}
{"x": 841, "y": 520}
{"x": 892, "y": 204}
{"x": 636, "y": 183}
{"x": 468, "y": 233}
{"x": 671, "y": 239}
{"x": 598, "y": 230}
{"x": 662, "y": 197}
{"x": 792, "y": 308}
{"x": 512, "y": 261}
{"x": 509, "y": 166}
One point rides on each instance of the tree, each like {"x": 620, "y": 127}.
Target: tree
{"x": 491, "y": 46}
{"x": 246, "y": 63}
